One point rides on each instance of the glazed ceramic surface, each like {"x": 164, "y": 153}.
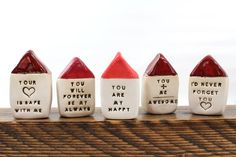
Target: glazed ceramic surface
{"x": 120, "y": 98}
{"x": 160, "y": 87}
{"x": 30, "y": 88}
{"x": 76, "y": 97}
{"x": 120, "y": 90}
{"x": 76, "y": 90}
{"x": 208, "y": 88}
{"x": 160, "y": 94}
{"x": 208, "y": 95}
{"x": 31, "y": 95}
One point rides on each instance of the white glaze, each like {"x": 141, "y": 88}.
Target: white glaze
{"x": 216, "y": 95}
{"x": 40, "y": 94}
{"x": 84, "y": 102}
{"x": 130, "y": 102}
{"x": 155, "y": 89}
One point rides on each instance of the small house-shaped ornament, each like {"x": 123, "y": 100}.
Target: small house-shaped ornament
{"x": 76, "y": 90}
{"x": 30, "y": 88}
{"x": 160, "y": 87}
{"x": 208, "y": 88}
{"x": 120, "y": 90}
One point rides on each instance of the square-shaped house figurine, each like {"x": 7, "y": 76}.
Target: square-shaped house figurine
{"x": 160, "y": 87}
{"x": 120, "y": 90}
{"x": 30, "y": 88}
{"x": 76, "y": 90}
{"x": 208, "y": 88}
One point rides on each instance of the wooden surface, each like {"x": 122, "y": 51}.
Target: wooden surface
{"x": 179, "y": 134}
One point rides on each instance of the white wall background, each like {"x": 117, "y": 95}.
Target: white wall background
{"x": 94, "y": 30}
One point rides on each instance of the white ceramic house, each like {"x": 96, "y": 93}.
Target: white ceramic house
{"x": 208, "y": 88}
{"x": 160, "y": 87}
{"x": 120, "y": 90}
{"x": 30, "y": 88}
{"x": 76, "y": 90}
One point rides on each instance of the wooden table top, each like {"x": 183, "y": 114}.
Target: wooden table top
{"x": 182, "y": 113}
{"x": 178, "y": 134}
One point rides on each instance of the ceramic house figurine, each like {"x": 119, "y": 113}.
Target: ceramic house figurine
{"x": 208, "y": 88}
{"x": 160, "y": 87}
{"x": 120, "y": 90}
{"x": 30, "y": 88}
{"x": 76, "y": 90}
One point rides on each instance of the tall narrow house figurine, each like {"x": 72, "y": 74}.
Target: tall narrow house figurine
{"x": 76, "y": 90}
{"x": 160, "y": 87}
{"x": 120, "y": 90}
{"x": 30, "y": 88}
{"x": 208, "y": 88}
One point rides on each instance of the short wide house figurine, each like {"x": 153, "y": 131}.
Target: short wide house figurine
{"x": 30, "y": 88}
{"x": 120, "y": 90}
{"x": 160, "y": 87}
{"x": 208, "y": 88}
{"x": 76, "y": 90}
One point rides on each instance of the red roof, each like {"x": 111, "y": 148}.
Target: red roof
{"x": 29, "y": 63}
{"x": 208, "y": 67}
{"x": 119, "y": 68}
{"x": 76, "y": 69}
{"x": 160, "y": 66}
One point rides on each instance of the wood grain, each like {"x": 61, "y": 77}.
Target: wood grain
{"x": 179, "y": 134}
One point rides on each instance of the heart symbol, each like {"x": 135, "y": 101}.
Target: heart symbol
{"x": 205, "y": 105}
{"x": 28, "y": 91}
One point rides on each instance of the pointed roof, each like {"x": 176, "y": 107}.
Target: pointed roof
{"x": 76, "y": 69}
{"x": 209, "y": 67}
{"x": 119, "y": 68}
{"x": 159, "y": 67}
{"x": 29, "y": 63}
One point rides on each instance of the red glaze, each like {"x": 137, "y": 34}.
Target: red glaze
{"x": 76, "y": 69}
{"x": 119, "y": 68}
{"x": 29, "y": 63}
{"x": 160, "y": 67}
{"x": 208, "y": 67}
